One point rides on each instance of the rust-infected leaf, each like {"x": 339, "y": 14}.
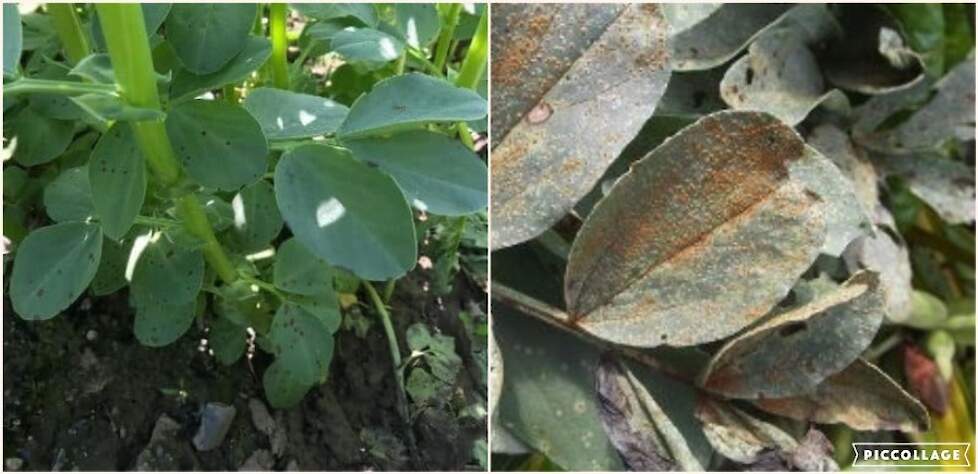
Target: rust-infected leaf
{"x": 946, "y": 185}
{"x": 572, "y": 85}
{"x": 834, "y": 144}
{"x": 794, "y": 351}
{"x": 884, "y": 254}
{"x": 861, "y": 397}
{"x": 701, "y": 238}
{"x": 737, "y": 435}
{"x": 645, "y": 437}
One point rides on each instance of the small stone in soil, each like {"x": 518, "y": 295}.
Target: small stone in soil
{"x": 91, "y": 335}
{"x": 215, "y": 421}
{"x": 13, "y": 464}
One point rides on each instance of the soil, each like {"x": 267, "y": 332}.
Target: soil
{"x": 81, "y": 393}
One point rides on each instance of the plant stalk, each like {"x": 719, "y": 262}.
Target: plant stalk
{"x": 474, "y": 64}
{"x": 448, "y": 23}
{"x": 73, "y": 38}
{"x": 195, "y": 221}
{"x": 280, "y": 45}
{"x": 26, "y": 85}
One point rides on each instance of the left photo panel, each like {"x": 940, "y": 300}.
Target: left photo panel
{"x": 243, "y": 236}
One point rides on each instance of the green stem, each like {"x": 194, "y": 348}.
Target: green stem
{"x": 65, "y": 20}
{"x": 265, "y": 286}
{"x": 26, "y": 85}
{"x": 156, "y": 221}
{"x": 448, "y": 23}
{"x": 395, "y": 351}
{"x": 465, "y": 135}
{"x": 195, "y": 221}
{"x": 401, "y": 61}
{"x": 474, "y": 64}
{"x": 389, "y": 289}
{"x": 419, "y": 56}
{"x": 280, "y": 45}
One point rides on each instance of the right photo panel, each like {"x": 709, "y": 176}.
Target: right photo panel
{"x": 732, "y": 237}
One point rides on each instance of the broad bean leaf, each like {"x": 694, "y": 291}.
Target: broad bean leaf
{"x": 287, "y": 115}
{"x": 158, "y": 324}
{"x": 407, "y": 101}
{"x": 945, "y": 185}
{"x": 688, "y": 95}
{"x": 363, "y": 12}
{"x": 111, "y": 274}
{"x": 166, "y": 274}
{"x": 110, "y": 108}
{"x": 12, "y": 38}
{"x": 187, "y": 85}
{"x": 219, "y": 212}
{"x": 39, "y": 139}
{"x": 676, "y": 237}
{"x": 298, "y": 271}
{"x": 205, "y": 36}
{"x": 346, "y": 212}
{"x": 715, "y": 39}
{"x": 779, "y": 75}
{"x": 220, "y": 144}
{"x": 69, "y": 196}
{"x": 556, "y": 72}
{"x": 923, "y": 25}
{"x": 418, "y": 23}
{"x": 738, "y": 435}
{"x": 227, "y": 339}
{"x": 437, "y": 173}
{"x": 153, "y": 16}
{"x": 367, "y": 46}
{"x": 496, "y": 368}
{"x": 53, "y": 266}
{"x": 862, "y": 397}
{"x": 643, "y": 433}
{"x": 792, "y": 352}
{"x": 834, "y": 144}
{"x": 256, "y": 218}
{"x": 324, "y": 306}
{"x": 118, "y": 174}
{"x": 303, "y": 348}
{"x": 683, "y": 16}
{"x": 883, "y": 254}
{"x": 95, "y": 68}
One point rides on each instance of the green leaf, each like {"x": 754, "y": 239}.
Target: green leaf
{"x": 109, "y": 108}
{"x": 165, "y": 274}
{"x": 862, "y": 397}
{"x": 545, "y": 98}
{"x": 298, "y": 271}
{"x": 69, "y": 196}
{"x": 227, "y": 339}
{"x": 324, "y": 306}
{"x": 959, "y": 35}
{"x": 158, "y": 324}
{"x": 677, "y": 234}
{"x": 111, "y": 275}
{"x": 367, "y": 46}
{"x": 220, "y": 144}
{"x": 39, "y": 139}
{"x": 256, "y": 217}
{"x": 53, "y": 266}
{"x": 927, "y": 311}
{"x": 287, "y": 115}
{"x": 346, "y": 212}
{"x": 327, "y": 11}
{"x": 118, "y": 171}
{"x": 187, "y": 85}
{"x": 794, "y": 351}
{"x": 219, "y": 212}
{"x": 12, "y": 38}
{"x": 437, "y": 173}
{"x": 923, "y": 26}
{"x": 206, "y": 36}
{"x": 408, "y": 101}
{"x": 418, "y": 23}
{"x": 303, "y": 349}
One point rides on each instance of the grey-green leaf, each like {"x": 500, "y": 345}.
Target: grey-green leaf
{"x": 303, "y": 349}
{"x": 367, "y": 46}
{"x": 683, "y": 16}
{"x": 437, "y": 173}
{"x": 165, "y": 273}
{"x": 946, "y": 185}
{"x": 186, "y": 85}
{"x": 595, "y": 68}
{"x": 118, "y": 172}
{"x": 12, "y": 38}
{"x": 418, "y": 22}
{"x": 409, "y": 101}
{"x": 53, "y": 266}
{"x": 862, "y": 397}
{"x": 69, "y": 196}
{"x": 256, "y": 217}
{"x": 298, "y": 271}
{"x": 346, "y": 212}
{"x": 158, "y": 324}
{"x": 675, "y": 239}
{"x": 792, "y": 352}
{"x": 285, "y": 115}
{"x": 715, "y": 39}
{"x": 39, "y": 139}
{"x": 327, "y": 11}
{"x": 220, "y": 144}
{"x": 111, "y": 275}
{"x": 205, "y": 36}
{"x": 227, "y": 339}
{"x": 737, "y": 435}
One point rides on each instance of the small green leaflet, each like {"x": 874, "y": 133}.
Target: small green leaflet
{"x": 256, "y": 217}
{"x": 111, "y": 275}
{"x": 408, "y": 101}
{"x": 159, "y": 324}
{"x": 366, "y": 46}
{"x": 69, "y": 196}
{"x": 117, "y": 170}
{"x": 227, "y": 339}
{"x": 287, "y": 115}
{"x": 437, "y": 173}
{"x": 206, "y": 36}
{"x": 346, "y": 212}
{"x": 53, "y": 267}
{"x": 363, "y": 12}
{"x": 303, "y": 349}
{"x": 219, "y": 144}
{"x": 39, "y": 139}
{"x": 186, "y": 85}
{"x": 12, "y": 38}
{"x": 298, "y": 271}
{"x": 418, "y": 22}
{"x": 166, "y": 273}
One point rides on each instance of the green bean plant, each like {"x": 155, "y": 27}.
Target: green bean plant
{"x": 243, "y": 166}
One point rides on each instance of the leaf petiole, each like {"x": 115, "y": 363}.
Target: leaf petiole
{"x": 27, "y": 85}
